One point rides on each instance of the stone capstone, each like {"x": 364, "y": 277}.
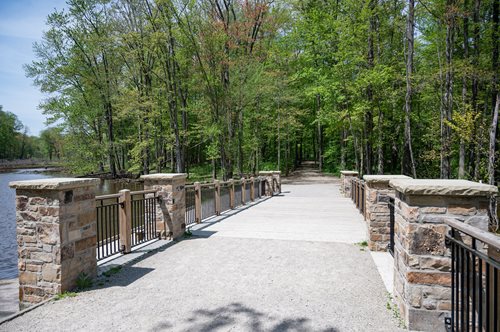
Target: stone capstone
{"x": 440, "y": 187}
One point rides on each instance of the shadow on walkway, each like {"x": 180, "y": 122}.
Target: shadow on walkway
{"x": 235, "y": 313}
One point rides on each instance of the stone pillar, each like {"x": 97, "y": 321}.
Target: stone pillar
{"x": 268, "y": 177}
{"x": 422, "y": 263}
{"x": 171, "y": 205}
{"x": 277, "y": 178}
{"x": 377, "y": 193}
{"x": 56, "y": 235}
{"x": 345, "y": 178}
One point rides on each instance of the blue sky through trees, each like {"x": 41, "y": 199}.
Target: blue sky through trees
{"x": 22, "y": 23}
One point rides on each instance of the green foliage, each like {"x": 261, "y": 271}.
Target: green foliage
{"x": 14, "y": 140}
{"x": 64, "y": 295}
{"x": 83, "y": 281}
{"x": 155, "y": 86}
{"x": 112, "y": 271}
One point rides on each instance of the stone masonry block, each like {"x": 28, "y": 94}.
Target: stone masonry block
{"x": 422, "y": 261}
{"x": 45, "y": 209}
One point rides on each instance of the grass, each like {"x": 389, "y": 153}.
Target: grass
{"x": 362, "y": 245}
{"x": 391, "y": 306}
{"x": 83, "y": 281}
{"x": 112, "y": 271}
{"x": 188, "y": 233}
{"x": 64, "y": 295}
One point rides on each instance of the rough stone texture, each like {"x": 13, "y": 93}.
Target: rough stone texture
{"x": 171, "y": 206}
{"x": 422, "y": 262}
{"x": 277, "y": 176}
{"x": 56, "y": 235}
{"x": 295, "y": 278}
{"x": 345, "y": 179}
{"x": 384, "y": 179}
{"x": 54, "y": 183}
{"x": 441, "y": 187}
{"x": 377, "y": 214}
{"x": 273, "y": 179}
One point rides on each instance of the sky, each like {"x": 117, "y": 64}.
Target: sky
{"x": 22, "y": 22}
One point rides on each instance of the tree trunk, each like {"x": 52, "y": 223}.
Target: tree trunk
{"x": 492, "y": 150}
{"x": 491, "y": 164}
{"x": 279, "y": 137}
{"x": 111, "y": 154}
{"x": 476, "y": 134}
{"x": 320, "y": 135}
{"x": 462, "y": 152}
{"x": 343, "y": 135}
{"x": 408, "y": 161}
{"x": 368, "y": 128}
{"x": 380, "y": 143}
{"x": 448, "y": 95}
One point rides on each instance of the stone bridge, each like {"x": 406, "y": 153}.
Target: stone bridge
{"x": 292, "y": 262}
{"x": 296, "y": 261}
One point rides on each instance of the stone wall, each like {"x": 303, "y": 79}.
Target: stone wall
{"x": 377, "y": 213}
{"x": 422, "y": 278}
{"x": 345, "y": 179}
{"x": 171, "y": 206}
{"x": 273, "y": 179}
{"x": 56, "y": 235}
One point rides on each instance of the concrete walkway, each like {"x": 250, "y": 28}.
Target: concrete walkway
{"x": 288, "y": 263}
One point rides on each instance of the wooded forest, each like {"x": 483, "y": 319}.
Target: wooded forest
{"x": 16, "y": 143}
{"x": 236, "y": 86}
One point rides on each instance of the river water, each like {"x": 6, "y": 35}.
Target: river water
{"x": 8, "y": 243}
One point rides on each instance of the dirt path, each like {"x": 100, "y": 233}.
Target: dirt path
{"x": 308, "y": 173}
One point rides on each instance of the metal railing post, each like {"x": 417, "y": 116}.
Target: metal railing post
{"x": 252, "y": 189}
{"x": 231, "y": 193}
{"x": 197, "y": 202}
{"x": 217, "y": 197}
{"x": 125, "y": 221}
{"x": 243, "y": 190}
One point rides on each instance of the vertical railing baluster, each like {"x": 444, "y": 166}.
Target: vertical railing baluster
{"x": 480, "y": 291}
{"x": 474, "y": 295}
{"x": 462, "y": 286}
{"x": 453, "y": 282}
{"x": 488, "y": 298}
{"x": 495, "y": 299}
{"x": 197, "y": 203}
{"x": 467, "y": 290}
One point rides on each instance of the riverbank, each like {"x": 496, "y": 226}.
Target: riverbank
{"x": 29, "y": 163}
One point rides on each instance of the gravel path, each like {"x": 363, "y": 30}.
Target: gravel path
{"x": 225, "y": 281}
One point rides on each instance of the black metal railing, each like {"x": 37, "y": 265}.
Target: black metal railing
{"x": 358, "y": 194}
{"x": 247, "y": 192}
{"x": 225, "y": 203}
{"x": 108, "y": 226}
{"x": 392, "y": 219}
{"x": 143, "y": 212}
{"x": 256, "y": 188}
{"x": 237, "y": 194}
{"x": 207, "y": 201}
{"x": 475, "y": 264}
{"x": 190, "y": 205}
{"x": 361, "y": 206}
{"x": 204, "y": 204}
